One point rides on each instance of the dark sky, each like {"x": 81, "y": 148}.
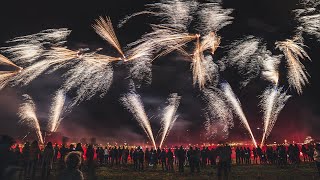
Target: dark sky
{"x": 106, "y": 118}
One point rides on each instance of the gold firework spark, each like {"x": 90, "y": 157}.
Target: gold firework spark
{"x": 6, "y": 61}
{"x": 293, "y": 52}
{"x": 104, "y": 29}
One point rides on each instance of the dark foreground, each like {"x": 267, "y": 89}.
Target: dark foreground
{"x": 305, "y": 171}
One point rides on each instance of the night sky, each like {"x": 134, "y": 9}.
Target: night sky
{"x": 106, "y": 119}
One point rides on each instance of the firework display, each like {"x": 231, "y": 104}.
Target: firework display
{"x": 27, "y": 113}
{"x": 133, "y": 103}
{"x": 169, "y": 116}
{"x": 189, "y": 29}
{"x": 272, "y": 102}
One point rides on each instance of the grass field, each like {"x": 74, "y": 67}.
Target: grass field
{"x": 242, "y": 172}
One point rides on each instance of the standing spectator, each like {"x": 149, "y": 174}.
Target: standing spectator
{"x": 56, "y": 152}
{"x": 135, "y": 159}
{"x": 72, "y": 172}
{"x": 90, "y": 162}
{"x": 170, "y": 160}
{"x": 222, "y": 153}
{"x": 176, "y": 160}
{"x": 196, "y": 159}
{"x": 33, "y": 159}
{"x": 106, "y": 155}
{"x": 125, "y": 154}
{"x": 316, "y": 157}
{"x": 147, "y": 156}
{"x": 238, "y": 155}
{"x": 153, "y": 159}
{"x": 304, "y": 152}
{"x": 47, "y": 160}
{"x": 8, "y": 159}
{"x": 25, "y": 157}
{"x": 163, "y": 156}
{"x": 140, "y": 159}
{"x": 181, "y": 157}
{"x": 255, "y": 155}
{"x": 190, "y": 155}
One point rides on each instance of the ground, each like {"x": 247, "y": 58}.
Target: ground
{"x": 242, "y": 172}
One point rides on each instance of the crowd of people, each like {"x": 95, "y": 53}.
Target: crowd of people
{"x": 280, "y": 155}
{"x": 24, "y": 162}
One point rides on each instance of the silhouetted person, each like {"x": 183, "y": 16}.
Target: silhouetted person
{"x": 8, "y": 159}
{"x": 223, "y": 153}
{"x": 304, "y": 152}
{"x": 106, "y": 155}
{"x": 158, "y": 155}
{"x": 33, "y": 159}
{"x": 197, "y": 156}
{"x": 190, "y": 155}
{"x": 170, "y": 160}
{"x": 255, "y": 155}
{"x": 176, "y": 159}
{"x": 72, "y": 172}
{"x": 163, "y": 156}
{"x": 47, "y": 160}
{"x": 63, "y": 152}
{"x": 147, "y": 155}
{"x": 56, "y": 152}
{"x": 154, "y": 158}
{"x": 90, "y": 161}
{"x": 125, "y": 154}
{"x": 181, "y": 157}
{"x": 204, "y": 157}
{"x": 25, "y": 157}
{"x": 140, "y": 159}
{"x": 135, "y": 159}
{"x": 100, "y": 155}
{"x": 316, "y": 157}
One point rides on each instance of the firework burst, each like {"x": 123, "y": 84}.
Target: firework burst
{"x": 27, "y": 113}
{"x": 272, "y": 102}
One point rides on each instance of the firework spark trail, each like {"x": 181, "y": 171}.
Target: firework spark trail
{"x": 219, "y": 117}
{"x": 309, "y": 19}
{"x": 28, "y": 49}
{"x": 104, "y": 28}
{"x": 203, "y": 67}
{"x": 6, "y": 76}
{"x": 169, "y": 116}
{"x": 235, "y": 103}
{"x": 133, "y": 103}
{"x": 272, "y": 102}
{"x": 6, "y": 61}
{"x": 213, "y": 17}
{"x": 293, "y": 52}
{"x": 56, "y": 110}
{"x": 88, "y": 78}
{"x": 27, "y": 113}
{"x": 243, "y": 55}
{"x": 269, "y": 69}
